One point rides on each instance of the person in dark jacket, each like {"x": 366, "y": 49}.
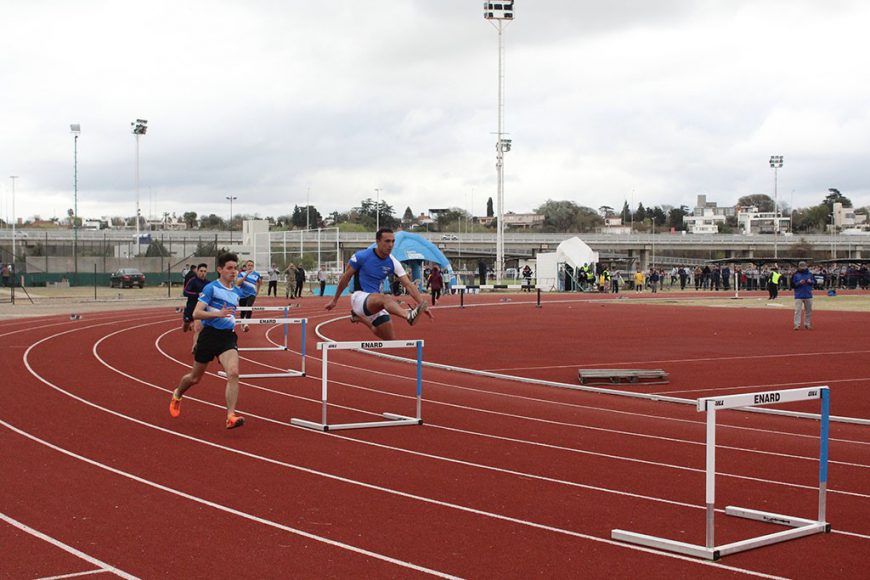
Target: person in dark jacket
{"x": 802, "y": 281}
{"x": 435, "y": 283}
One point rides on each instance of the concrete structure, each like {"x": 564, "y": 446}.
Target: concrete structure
{"x": 613, "y": 225}
{"x": 845, "y": 217}
{"x": 523, "y": 220}
{"x": 751, "y": 221}
{"x": 706, "y": 217}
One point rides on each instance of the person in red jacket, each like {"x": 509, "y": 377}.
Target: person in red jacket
{"x": 435, "y": 283}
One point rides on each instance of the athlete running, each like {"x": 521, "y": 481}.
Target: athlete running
{"x": 215, "y": 308}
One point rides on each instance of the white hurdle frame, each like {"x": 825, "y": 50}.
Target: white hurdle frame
{"x": 393, "y": 420}
{"x": 273, "y": 321}
{"x": 284, "y": 309}
{"x": 799, "y": 526}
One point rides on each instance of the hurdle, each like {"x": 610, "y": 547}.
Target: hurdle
{"x": 462, "y": 288}
{"x": 284, "y": 309}
{"x": 273, "y": 321}
{"x": 800, "y": 527}
{"x": 392, "y": 419}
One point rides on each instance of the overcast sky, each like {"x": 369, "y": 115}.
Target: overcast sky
{"x": 651, "y": 101}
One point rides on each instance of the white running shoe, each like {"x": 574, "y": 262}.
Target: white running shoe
{"x": 415, "y": 313}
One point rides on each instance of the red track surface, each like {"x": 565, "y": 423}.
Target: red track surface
{"x": 505, "y": 479}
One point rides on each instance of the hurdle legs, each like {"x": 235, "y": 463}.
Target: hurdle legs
{"x": 392, "y": 419}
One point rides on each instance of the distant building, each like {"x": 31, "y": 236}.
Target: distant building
{"x": 614, "y": 225}
{"x": 751, "y": 221}
{"x": 706, "y": 217}
{"x": 845, "y": 217}
{"x": 523, "y": 220}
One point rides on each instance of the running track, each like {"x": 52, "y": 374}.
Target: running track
{"x": 505, "y": 479}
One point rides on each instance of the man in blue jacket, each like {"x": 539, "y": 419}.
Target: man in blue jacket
{"x": 802, "y": 281}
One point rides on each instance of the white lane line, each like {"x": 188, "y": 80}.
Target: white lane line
{"x": 104, "y": 567}
{"x": 73, "y": 575}
{"x": 664, "y": 418}
{"x": 335, "y": 478}
{"x": 221, "y": 507}
{"x": 508, "y": 415}
{"x": 682, "y": 360}
{"x": 764, "y": 386}
{"x": 453, "y": 460}
{"x": 354, "y": 482}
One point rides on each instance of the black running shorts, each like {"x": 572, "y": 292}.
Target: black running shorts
{"x": 213, "y": 342}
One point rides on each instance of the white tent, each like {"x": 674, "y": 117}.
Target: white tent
{"x": 573, "y": 252}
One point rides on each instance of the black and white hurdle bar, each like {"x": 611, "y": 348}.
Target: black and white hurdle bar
{"x": 463, "y": 287}
{"x": 799, "y": 526}
{"x": 273, "y": 321}
{"x": 284, "y": 309}
{"x": 392, "y": 419}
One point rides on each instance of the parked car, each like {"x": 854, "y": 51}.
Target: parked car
{"x": 127, "y": 278}
{"x": 452, "y": 237}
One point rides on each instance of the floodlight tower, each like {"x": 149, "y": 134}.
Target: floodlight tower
{"x": 775, "y": 163}
{"x": 14, "y": 219}
{"x": 231, "y": 199}
{"x": 377, "y": 208}
{"x": 76, "y": 130}
{"x": 140, "y": 127}
{"x": 500, "y": 14}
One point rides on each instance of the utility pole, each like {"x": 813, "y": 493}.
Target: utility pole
{"x": 500, "y": 15}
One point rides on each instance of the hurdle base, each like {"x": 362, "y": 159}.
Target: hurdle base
{"x": 282, "y": 375}
{"x": 394, "y": 421}
{"x": 262, "y": 348}
{"x": 800, "y": 527}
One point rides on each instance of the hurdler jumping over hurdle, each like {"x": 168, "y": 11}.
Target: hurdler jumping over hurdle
{"x": 370, "y": 268}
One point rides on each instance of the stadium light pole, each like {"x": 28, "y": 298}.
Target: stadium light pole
{"x": 377, "y": 208}
{"x": 500, "y": 15}
{"x": 76, "y": 130}
{"x": 775, "y": 163}
{"x": 14, "y": 219}
{"x": 140, "y": 127}
{"x": 231, "y": 198}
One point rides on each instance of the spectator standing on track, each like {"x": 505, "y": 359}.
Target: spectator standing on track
{"x": 215, "y": 307}
{"x": 192, "y": 289}
{"x": 683, "y": 277}
{"x": 481, "y": 270}
{"x": 185, "y": 271}
{"x": 4, "y": 271}
{"x": 616, "y": 282}
{"x": 802, "y": 281}
{"x": 273, "y": 281}
{"x": 369, "y": 268}
{"x": 248, "y": 281}
{"x": 290, "y": 282}
{"x": 435, "y": 283}
{"x": 527, "y": 279}
{"x": 726, "y": 278}
{"x": 321, "y": 277}
{"x": 300, "y": 280}
{"x": 638, "y": 281}
{"x": 773, "y": 283}
{"x": 654, "y": 280}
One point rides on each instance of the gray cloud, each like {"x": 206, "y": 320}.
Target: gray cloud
{"x": 266, "y": 99}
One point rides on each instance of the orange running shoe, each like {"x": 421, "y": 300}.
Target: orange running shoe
{"x": 174, "y": 406}
{"x": 234, "y": 421}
